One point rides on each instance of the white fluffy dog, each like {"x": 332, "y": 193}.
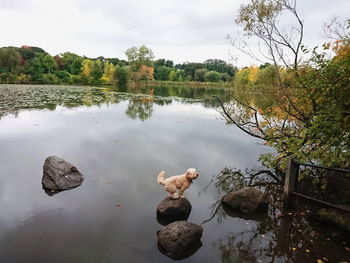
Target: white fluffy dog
{"x": 181, "y": 182}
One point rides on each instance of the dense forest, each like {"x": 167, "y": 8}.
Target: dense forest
{"x": 34, "y": 65}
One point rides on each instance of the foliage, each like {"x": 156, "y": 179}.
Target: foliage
{"x": 9, "y": 59}
{"x": 139, "y": 56}
{"x": 161, "y": 72}
{"x": 33, "y": 65}
{"x": 190, "y": 68}
{"x": 163, "y": 62}
{"x": 212, "y": 76}
{"x": 310, "y": 120}
{"x": 309, "y": 117}
{"x": 121, "y": 75}
{"x": 199, "y": 74}
{"x": 72, "y": 63}
{"x": 108, "y": 73}
{"x": 172, "y": 75}
{"x": 259, "y": 20}
{"x": 220, "y": 66}
{"x": 242, "y": 77}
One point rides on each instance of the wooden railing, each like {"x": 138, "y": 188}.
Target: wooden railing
{"x": 291, "y": 181}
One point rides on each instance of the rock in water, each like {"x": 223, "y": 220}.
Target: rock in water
{"x": 246, "y": 200}
{"x": 180, "y": 239}
{"x": 59, "y": 174}
{"x": 171, "y": 210}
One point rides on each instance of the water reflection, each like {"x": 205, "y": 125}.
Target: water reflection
{"x": 279, "y": 236}
{"x": 14, "y": 98}
{"x": 51, "y": 192}
{"x": 182, "y": 253}
{"x": 140, "y": 108}
{"x": 111, "y": 218}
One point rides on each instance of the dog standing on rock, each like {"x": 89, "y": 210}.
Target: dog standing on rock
{"x": 181, "y": 182}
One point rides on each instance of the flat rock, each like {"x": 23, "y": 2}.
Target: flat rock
{"x": 170, "y": 210}
{"x": 59, "y": 174}
{"x": 180, "y": 239}
{"x": 247, "y": 200}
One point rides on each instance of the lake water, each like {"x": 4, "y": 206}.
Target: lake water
{"x": 120, "y": 140}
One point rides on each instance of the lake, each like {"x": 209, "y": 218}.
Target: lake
{"x": 120, "y": 139}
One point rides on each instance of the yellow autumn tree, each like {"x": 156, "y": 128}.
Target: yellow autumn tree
{"x": 253, "y": 74}
{"x": 87, "y": 66}
{"x": 108, "y": 73}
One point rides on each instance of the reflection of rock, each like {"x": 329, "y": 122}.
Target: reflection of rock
{"x": 171, "y": 210}
{"x": 60, "y": 175}
{"x": 180, "y": 239}
{"x": 258, "y": 216}
{"x": 51, "y": 192}
{"x": 246, "y": 200}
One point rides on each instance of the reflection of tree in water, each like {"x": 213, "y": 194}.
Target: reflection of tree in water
{"x": 140, "y": 108}
{"x": 279, "y": 236}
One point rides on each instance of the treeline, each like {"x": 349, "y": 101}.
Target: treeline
{"x": 264, "y": 75}
{"x": 34, "y": 65}
{"x": 211, "y": 70}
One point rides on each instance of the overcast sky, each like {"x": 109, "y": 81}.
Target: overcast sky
{"x": 180, "y": 30}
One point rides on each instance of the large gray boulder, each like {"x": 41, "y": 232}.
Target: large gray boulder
{"x": 180, "y": 239}
{"x": 60, "y": 175}
{"x": 171, "y": 210}
{"x": 247, "y": 200}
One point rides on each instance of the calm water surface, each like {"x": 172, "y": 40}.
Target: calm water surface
{"x": 119, "y": 140}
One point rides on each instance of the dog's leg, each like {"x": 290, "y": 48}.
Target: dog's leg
{"x": 181, "y": 192}
{"x": 171, "y": 189}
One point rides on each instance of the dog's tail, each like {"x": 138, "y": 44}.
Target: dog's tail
{"x": 161, "y": 178}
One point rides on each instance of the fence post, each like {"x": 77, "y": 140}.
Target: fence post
{"x": 289, "y": 182}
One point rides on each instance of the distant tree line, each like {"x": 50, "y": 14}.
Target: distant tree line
{"x": 211, "y": 70}
{"x": 34, "y": 65}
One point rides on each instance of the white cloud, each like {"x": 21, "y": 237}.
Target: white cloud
{"x": 179, "y": 30}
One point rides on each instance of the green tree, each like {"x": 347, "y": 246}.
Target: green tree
{"x": 121, "y": 75}
{"x": 161, "y": 72}
{"x": 163, "y": 62}
{"x": 48, "y": 63}
{"x": 97, "y": 70}
{"x": 72, "y": 63}
{"x": 180, "y": 75}
{"x": 9, "y": 59}
{"x": 225, "y": 77}
{"x": 212, "y": 76}
{"x": 172, "y": 75}
{"x": 199, "y": 74}
{"x": 310, "y": 117}
{"x": 190, "y": 68}
{"x": 267, "y": 76}
{"x": 139, "y": 56}
{"x": 219, "y": 66}
{"x": 63, "y": 76}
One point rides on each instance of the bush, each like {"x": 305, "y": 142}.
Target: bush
{"x": 212, "y": 76}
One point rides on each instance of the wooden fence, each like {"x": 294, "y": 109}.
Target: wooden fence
{"x": 291, "y": 182}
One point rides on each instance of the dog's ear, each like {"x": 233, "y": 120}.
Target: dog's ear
{"x": 188, "y": 175}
